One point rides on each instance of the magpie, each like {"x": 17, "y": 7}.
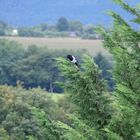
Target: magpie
{"x": 72, "y": 59}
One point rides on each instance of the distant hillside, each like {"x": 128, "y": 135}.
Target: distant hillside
{"x": 33, "y": 12}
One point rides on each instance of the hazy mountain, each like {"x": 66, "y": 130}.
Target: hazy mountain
{"x": 33, "y": 12}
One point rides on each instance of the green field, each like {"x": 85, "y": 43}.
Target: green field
{"x": 92, "y": 46}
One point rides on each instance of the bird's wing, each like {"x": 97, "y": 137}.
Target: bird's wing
{"x": 74, "y": 59}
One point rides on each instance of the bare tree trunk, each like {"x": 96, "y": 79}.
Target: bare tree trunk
{"x": 51, "y": 85}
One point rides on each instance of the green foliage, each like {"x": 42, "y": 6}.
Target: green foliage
{"x": 63, "y": 28}
{"x": 76, "y": 26}
{"x": 90, "y": 133}
{"x": 44, "y": 27}
{"x": 76, "y": 130}
{"x": 69, "y": 133}
{"x": 34, "y": 66}
{"x": 2, "y": 32}
{"x": 3, "y": 134}
{"x": 38, "y": 68}
{"x": 19, "y": 120}
{"x": 33, "y": 115}
{"x": 106, "y": 65}
{"x": 127, "y": 7}
{"x": 10, "y": 53}
{"x": 3, "y": 28}
{"x": 91, "y": 112}
{"x": 63, "y": 24}
{"x": 123, "y": 42}
{"x": 88, "y": 91}
{"x": 111, "y": 135}
{"x": 29, "y": 32}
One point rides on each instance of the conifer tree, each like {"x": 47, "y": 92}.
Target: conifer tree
{"x": 123, "y": 42}
{"x": 88, "y": 91}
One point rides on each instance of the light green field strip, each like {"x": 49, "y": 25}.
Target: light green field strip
{"x": 92, "y": 46}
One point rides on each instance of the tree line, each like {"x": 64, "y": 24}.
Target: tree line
{"x": 63, "y": 28}
{"x": 36, "y": 66}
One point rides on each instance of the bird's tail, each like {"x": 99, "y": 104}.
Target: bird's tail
{"x": 77, "y": 66}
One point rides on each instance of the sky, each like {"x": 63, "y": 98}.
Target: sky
{"x": 34, "y": 12}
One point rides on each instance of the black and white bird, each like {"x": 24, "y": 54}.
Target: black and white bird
{"x": 72, "y": 59}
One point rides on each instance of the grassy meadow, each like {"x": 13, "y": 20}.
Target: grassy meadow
{"x": 92, "y": 46}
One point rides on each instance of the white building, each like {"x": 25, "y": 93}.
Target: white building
{"x": 14, "y": 32}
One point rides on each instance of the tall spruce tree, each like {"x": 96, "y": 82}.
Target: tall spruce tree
{"x": 123, "y": 42}
{"x": 88, "y": 91}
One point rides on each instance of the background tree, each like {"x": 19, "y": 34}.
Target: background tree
{"x": 10, "y": 53}
{"x": 3, "y": 28}
{"x": 76, "y": 26}
{"x": 33, "y": 115}
{"x": 2, "y": 32}
{"x": 28, "y": 32}
{"x": 62, "y": 24}
{"x": 44, "y": 27}
{"x": 35, "y": 66}
{"x": 106, "y": 65}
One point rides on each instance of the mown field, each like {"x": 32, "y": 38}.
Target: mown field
{"x": 92, "y": 46}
